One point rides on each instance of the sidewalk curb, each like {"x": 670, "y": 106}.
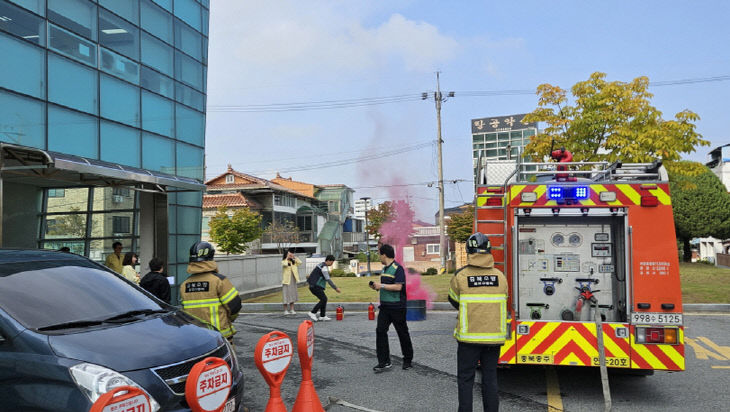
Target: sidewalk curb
{"x": 707, "y": 307}
{"x": 438, "y": 306}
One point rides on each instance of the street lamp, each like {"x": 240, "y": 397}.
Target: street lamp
{"x": 367, "y": 237}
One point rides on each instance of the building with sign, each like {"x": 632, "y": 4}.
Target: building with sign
{"x": 499, "y": 138}
{"x": 102, "y": 126}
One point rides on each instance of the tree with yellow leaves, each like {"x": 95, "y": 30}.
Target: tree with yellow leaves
{"x": 611, "y": 121}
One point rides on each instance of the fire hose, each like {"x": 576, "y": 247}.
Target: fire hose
{"x": 587, "y": 294}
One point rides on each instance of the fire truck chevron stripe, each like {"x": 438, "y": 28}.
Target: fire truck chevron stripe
{"x": 661, "y": 195}
{"x": 507, "y": 353}
{"x": 630, "y": 193}
{"x": 598, "y": 189}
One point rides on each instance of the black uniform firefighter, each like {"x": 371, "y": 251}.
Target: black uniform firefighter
{"x": 479, "y": 292}
{"x": 207, "y": 294}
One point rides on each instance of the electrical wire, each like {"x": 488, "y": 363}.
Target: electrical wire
{"x": 372, "y": 101}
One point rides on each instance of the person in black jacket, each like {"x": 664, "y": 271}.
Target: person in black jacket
{"x": 156, "y": 282}
{"x": 318, "y": 280}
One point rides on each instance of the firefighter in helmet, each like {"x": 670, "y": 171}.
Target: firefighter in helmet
{"x": 207, "y": 294}
{"x": 479, "y": 292}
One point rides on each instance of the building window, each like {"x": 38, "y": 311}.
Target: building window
{"x": 304, "y": 223}
{"x": 56, "y": 192}
{"x": 433, "y": 249}
{"x": 120, "y": 224}
{"x": 284, "y": 200}
{"x": 333, "y": 206}
{"x": 230, "y": 179}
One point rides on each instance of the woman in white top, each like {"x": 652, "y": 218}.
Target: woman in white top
{"x": 128, "y": 264}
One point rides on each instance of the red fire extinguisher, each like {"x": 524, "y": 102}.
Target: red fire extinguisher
{"x": 340, "y": 312}
{"x": 371, "y": 312}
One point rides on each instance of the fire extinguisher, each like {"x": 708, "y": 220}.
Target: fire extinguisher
{"x": 340, "y": 312}
{"x": 371, "y": 312}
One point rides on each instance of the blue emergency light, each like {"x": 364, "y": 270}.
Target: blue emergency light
{"x": 568, "y": 192}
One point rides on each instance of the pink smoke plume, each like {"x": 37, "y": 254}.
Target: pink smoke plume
{"x": 397, "y": 232}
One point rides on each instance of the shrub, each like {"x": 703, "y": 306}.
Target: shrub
{"x": 430, "y": 272}
{"x": 337, "y": 273}
{"x": 350, "y": 275}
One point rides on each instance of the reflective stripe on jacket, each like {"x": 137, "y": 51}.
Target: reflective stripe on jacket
{"x": 480, "y": 292}
{"x": 211, "y": 297}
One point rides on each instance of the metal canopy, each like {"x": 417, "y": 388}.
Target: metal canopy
{"x": 42, "y": 168}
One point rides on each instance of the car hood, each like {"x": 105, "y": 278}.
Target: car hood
{"x": 151, "y": 342}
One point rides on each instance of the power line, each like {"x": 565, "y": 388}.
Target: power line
{"x": 372, "y": 101}
{"x": 343, "y": 162}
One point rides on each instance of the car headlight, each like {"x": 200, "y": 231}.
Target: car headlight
{"x": 234, "y": 357}
{"x": 95, "y": 380}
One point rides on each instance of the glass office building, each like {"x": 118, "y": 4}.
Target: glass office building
{"x": 102, "y": 125}
{"x": 499, "y": 138}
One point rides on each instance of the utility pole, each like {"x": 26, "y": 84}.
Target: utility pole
{"x": 367, "y": 235}
{"x": 438, "y": 99}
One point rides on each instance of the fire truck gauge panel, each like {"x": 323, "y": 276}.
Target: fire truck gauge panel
{"x": 558, "y": 239}
{"x": 575, "y": 239}
{"x": 605, "y": 268}
{"x": 601, "y": 237}
{"x": 601, "y": 250}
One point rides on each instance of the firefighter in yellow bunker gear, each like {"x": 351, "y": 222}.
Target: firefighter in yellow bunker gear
{"x": 207, "y": 294}
{"x": 479, "y": 292}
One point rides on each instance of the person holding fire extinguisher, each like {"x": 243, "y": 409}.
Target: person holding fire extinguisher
{"x": 392, "y": 287}
{"x": 479, "y": 292}
{"x": 317, "y": 281}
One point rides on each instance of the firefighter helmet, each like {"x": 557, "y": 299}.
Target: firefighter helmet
{"x": 201, "y": 251}
{"x": 478, "y": 243}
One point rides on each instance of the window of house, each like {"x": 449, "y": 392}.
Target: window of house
{"x": 120, "y": 224}
{"x": 56, "y": 192}
{"x": 333, "y": 206}
{"x": 229, "y": 179}
{"x": 433, "y": 249}
{"x": 284, "y": 200}
{"x": 304, "y": 223}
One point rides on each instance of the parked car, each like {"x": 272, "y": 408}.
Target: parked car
{"x": 71, "y": 330}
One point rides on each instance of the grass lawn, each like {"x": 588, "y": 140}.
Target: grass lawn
{"x": 703, "y": 283}
{"x": 357, "y": 290}
{"x": 700, "y": 284}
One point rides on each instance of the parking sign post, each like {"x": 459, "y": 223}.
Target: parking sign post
{"x": 307, "y": 399}
{"x": 273, "y": 356}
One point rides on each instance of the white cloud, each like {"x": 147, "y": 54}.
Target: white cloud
{"x": 300, "y": 39}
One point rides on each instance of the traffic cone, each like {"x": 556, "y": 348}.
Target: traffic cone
{"x": 307, "y": 398}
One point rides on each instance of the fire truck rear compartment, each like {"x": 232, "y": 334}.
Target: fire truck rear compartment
{"x": 557, "y": 259}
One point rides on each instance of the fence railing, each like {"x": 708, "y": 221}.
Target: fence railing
{"x": 352, "y": 237}
{"x": 289, "y": 237}
{"x": 723, "y": 259}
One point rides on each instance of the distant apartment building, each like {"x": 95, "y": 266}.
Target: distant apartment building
{"x": 360, "y": 206}
{"x": 719, "y": 163}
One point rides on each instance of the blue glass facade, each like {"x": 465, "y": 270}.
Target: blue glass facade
{"x": 122, "y": 81}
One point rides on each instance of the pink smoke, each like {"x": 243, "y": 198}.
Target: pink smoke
{"x": 397, "y": 233}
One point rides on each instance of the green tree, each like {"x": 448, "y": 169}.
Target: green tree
{"x": 610, "y": 121}
{"x": 701, "y": 206}
{"x": 232, "y": 233}
{"x": 377, "y": 216}
{"x": 461, "y": 225}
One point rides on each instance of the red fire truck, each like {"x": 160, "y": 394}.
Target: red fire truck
{"x": 583, "y": 240}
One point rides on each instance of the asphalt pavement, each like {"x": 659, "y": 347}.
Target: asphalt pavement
{"x": 345, "y": 354}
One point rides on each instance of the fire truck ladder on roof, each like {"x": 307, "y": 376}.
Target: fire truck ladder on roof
{"x": 490, "y": 218}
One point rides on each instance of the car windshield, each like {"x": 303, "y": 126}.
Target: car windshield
{"x": 46, "y": 293}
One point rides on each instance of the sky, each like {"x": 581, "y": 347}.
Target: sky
{"x": 327, "y": 92}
